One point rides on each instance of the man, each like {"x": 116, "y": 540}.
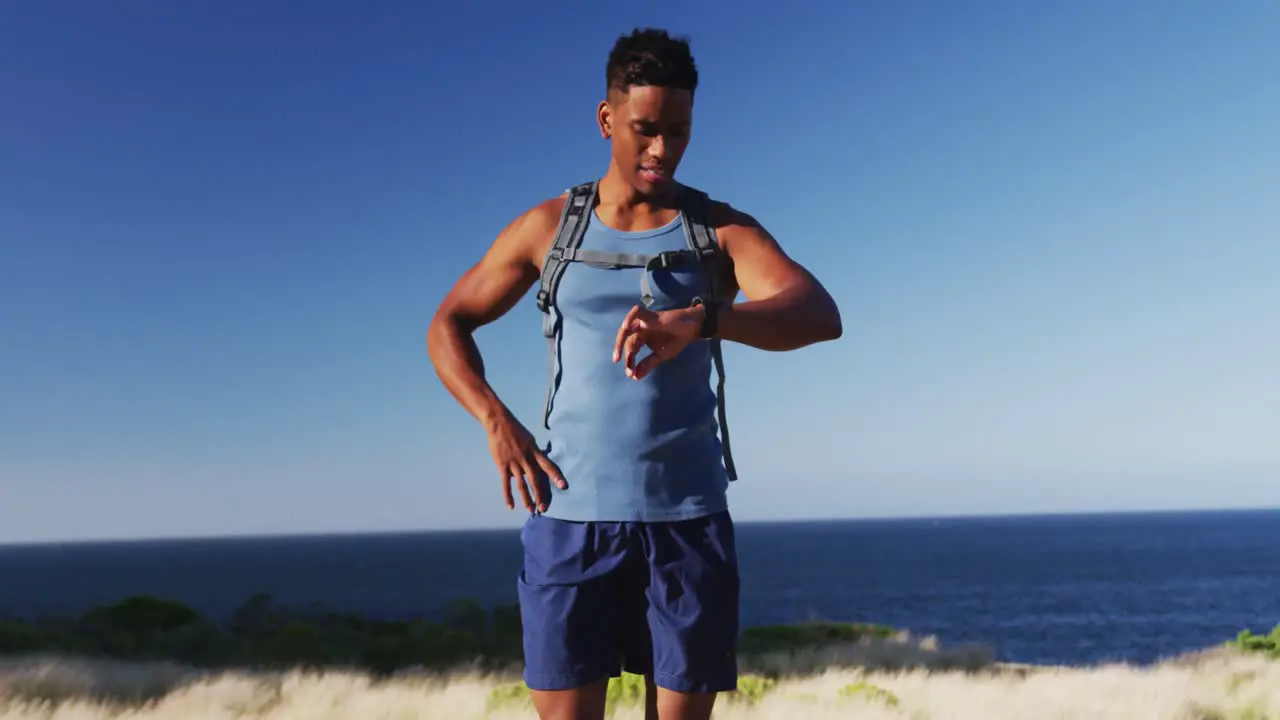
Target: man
{"x": 629, "y": 556}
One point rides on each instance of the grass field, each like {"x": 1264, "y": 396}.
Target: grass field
{"x": 888, "y": 678}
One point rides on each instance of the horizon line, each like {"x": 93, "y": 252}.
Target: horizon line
{"x": 815, "y": 520}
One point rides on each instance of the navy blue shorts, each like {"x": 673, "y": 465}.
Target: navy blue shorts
{"x": 660, "y": 599}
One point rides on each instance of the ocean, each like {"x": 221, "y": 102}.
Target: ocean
{"x": 1066, "y": 589}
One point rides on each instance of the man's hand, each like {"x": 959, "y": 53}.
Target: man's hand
{"x": 518, "y": 458}
{"x": 483, "y": 294}
{"x": 665, "y": 333}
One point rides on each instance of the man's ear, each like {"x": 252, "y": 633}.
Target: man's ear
{"x": 604, "y": 116}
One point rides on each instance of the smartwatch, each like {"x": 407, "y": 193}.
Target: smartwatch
{"x": 710, "y": 318}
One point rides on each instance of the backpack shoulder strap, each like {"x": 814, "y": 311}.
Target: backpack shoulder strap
{"x": 579, "y": 200}
{"x": 695, "y": 208}
{"x": 573, "y": 223}
{"x": 701, "y": 236}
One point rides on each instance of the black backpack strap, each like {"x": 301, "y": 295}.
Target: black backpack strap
{"x": 573, "y": 223}
{"x": 647, "y": 262}
{"x": 701, "y": 237}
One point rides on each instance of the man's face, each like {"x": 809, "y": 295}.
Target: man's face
{"x": 649, "y": 128}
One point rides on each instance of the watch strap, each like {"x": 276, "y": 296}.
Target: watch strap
{"x": 710, "y": 317}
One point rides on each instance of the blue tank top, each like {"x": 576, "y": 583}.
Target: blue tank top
{"x": 631, "y": 450}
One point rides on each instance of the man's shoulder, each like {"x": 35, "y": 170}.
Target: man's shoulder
{"x": 544, "y": 215}
{"x": 533, "y": 230}
{"x": 725, "y": 218}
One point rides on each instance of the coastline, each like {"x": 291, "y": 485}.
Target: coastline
{"x": 146, "y": 658}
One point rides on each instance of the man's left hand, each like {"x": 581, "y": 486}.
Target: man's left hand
{"x": 666, "y": 333}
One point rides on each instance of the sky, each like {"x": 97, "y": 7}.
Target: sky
{"x": 1052, "y": 230}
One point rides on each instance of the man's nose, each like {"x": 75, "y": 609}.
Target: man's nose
{"x": 658, "y": 148}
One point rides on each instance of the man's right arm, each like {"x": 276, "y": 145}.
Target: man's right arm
{"x": 486, "y": 292}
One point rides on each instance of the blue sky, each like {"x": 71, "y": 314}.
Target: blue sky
{"x": 1052, "y": 229}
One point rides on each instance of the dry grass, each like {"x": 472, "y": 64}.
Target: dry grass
{"x": 897, "y": 678}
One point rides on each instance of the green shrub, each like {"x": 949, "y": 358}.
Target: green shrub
{"x": 1268, "y": 645}
{"x": 789, "y": 638}
{"x": 753, "y": 688}
{"x": 20, "y": 637}
{"x": 508, "y": 694}
{"x": 264, "y": 634}
{"x": 626, "y": 690}
{"x": 864, "y": 690}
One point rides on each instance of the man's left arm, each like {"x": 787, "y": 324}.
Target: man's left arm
{"x": 786, "y": 307}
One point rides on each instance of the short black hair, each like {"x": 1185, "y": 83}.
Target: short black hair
{"x": 651, "y": 57}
